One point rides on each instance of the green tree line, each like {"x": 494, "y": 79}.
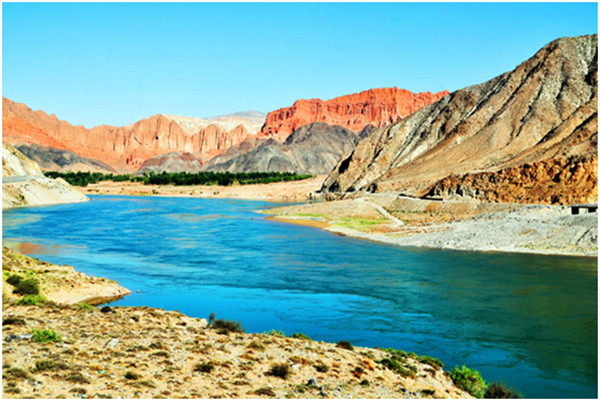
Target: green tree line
{"x": 82, "y": 179}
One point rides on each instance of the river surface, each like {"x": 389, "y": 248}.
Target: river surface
{"x": 527, "y": 320}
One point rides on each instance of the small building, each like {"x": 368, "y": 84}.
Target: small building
{"x": 584, "y": 208}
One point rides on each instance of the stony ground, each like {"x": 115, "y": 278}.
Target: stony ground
{"x": 475, "y": 226}
{"x": 55, "y": 350}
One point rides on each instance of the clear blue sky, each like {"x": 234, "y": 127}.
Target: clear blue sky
{"x": 116, "y": 63}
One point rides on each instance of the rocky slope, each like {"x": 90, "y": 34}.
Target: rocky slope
{"x": 125, "y": 148}
{"x": 312, "y": 149}
{"x": 51, "y": 159}
{"x": 173, "y": 162}
{"x": 379, "y": 107}
{"x": 537, "y": 124}
{"x": 23, "y": 183}
{"x": 141, "y": 352}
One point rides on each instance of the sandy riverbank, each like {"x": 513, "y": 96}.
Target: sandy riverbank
{"x": 287, "y": 191}
{"x": 473, "y": 226}
{"x": 141, "y": 352}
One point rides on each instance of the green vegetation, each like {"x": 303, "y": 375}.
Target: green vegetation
{"x": 301, "y": 336}
{"x": 321, "y": 368}
{"x": 431, "y": 361}
{"x": 469, "y": 380}
{"x": 14, "y": 279}
{"x": 281, "y": 370}
{"x": 45, "y": 336}
{"x": 130, "y": 375}
{"x": 225, "y": 326}
{"x": 204, "y": 367}
{"x": 13, "y": 321}
{"x": 32, "y": 300}
{"x": 27, "y": 287}
{"x": 345, "y": 345}
{"x": 47, "y": 364}
{"x": 82, "y": 179}
{"x": 277, "y": 333}
{"x": 84, "y": 306}
{"x": 500, "y": 390}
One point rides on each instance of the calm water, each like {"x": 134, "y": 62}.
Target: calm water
{"x": 530, "y": 321}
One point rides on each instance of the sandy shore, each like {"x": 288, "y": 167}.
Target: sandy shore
{"x": 472, "y": 226}
{"x": 141, "y": 352}
{"x": 287, "y": 191}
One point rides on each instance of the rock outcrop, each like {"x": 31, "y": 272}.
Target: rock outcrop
{"x": 542, "y": 117}
{"x": 125, "y": 148}
{"x": 312, "y": 149}
{"x": 23, "y": 183}
{"x": 378, "y": 107}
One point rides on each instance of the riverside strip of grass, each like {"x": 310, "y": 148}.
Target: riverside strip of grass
{"x": 82, "y": 179}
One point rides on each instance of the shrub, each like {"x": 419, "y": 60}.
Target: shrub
{"x": 281, "y": 370}
{"x": 44, "y": 336}
{"x": 32, "y": 300}
{"x": 227, "y": 326}
{"x": 469, "y": 380}
{"x": 13, "y": 321}
{"x": 500, "y": 390}
{"x": 277, "y": 333}
{"x": 204, "y": 367}
{"x": 76, "y": 377}
{"x": 14, "y": 280}
{"x": 431, "y": 361}
{"x": 15, "y": 373}
{"x": 265, "y": 391}
{"x": 256, "y": 345}
{"x": 84, "y": 306}
{"x": 321, "y": 368}
{"x": 27, "y": 287}
{"x": 130, "y": 375}
{"x": 345, "y": 345}
{"x": 301, "y": 336}
{"x": 47, "y": 364}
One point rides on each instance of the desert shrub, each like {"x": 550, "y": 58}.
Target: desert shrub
{"x": 76, "y": 377}
{"x": 277, "y": 333}
{"x": 204, "y": 367}
{"x": 431, "y": 361}
{"x": 14, "y": 280}
{"x": 256, "y": 345}
{"x": 227, "y": 326}
{"x": 12, "y": 388}
{"x": 469, "y": 380}
{"x": 301, "y": 336}
{"x": 322, "y": 368}
{"x": 84, "y": 306}
{"x": 345, "y": 345}
{"x": 78, "y": 390}
{"x": 32, "y": 300}
{"x": 13, "y": 321}
{"x": 47, "y": 364}
{"x": 397, "y": 366}
{"x": 501, "y": 390}
{"x": 146, "y": 383}
{"x": 265, "y": 391}
{"x": 365, "y": 383}
{"x": 45, "y": 336}
{"x": 27, "y": 287}
{"x": 281, "y": 370}
{"x": 15, "y": 373}
{"x": 130, "y": 375}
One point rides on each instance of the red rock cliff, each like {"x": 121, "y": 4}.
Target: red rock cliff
{"x": 124, "y": 148}
{"x": 375, "y": 106}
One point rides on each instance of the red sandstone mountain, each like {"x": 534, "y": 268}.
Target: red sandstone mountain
{"x": 124, "y": 148}
{"x": 378, "y": 107}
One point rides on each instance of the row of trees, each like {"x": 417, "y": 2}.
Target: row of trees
{"x": 82, "y": 179}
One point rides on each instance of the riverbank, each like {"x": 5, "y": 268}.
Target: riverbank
{"x": 472, "y": 226}
{"x": 287, "y": 191}
{"x": 57, "y": 350}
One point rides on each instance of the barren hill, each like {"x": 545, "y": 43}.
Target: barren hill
{"x": 529, "y": 135}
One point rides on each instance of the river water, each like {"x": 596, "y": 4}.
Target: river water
{"x": 527, "y": 320}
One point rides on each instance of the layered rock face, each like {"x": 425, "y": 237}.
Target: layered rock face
{"x": 312, "y": 149}
{"x": 378, "y": 107}
{"x": 24, "y": 185}
{"x": 125, "y": 148}
{"x": 541, "y": 117}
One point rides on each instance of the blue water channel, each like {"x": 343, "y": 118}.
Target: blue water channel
{"x": 527, "y": 320}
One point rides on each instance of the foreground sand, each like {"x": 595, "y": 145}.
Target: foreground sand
{"x": 461, "y": 225}
{"x": 141, "y": 352}
{"x": 290, "y": 190}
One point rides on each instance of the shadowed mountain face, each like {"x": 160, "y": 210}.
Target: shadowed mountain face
{"x": 529, "y": 135}
{"x": 50, "y": 159}
{"x": 312, "y": 149}
{"x": 174, "y": 162}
